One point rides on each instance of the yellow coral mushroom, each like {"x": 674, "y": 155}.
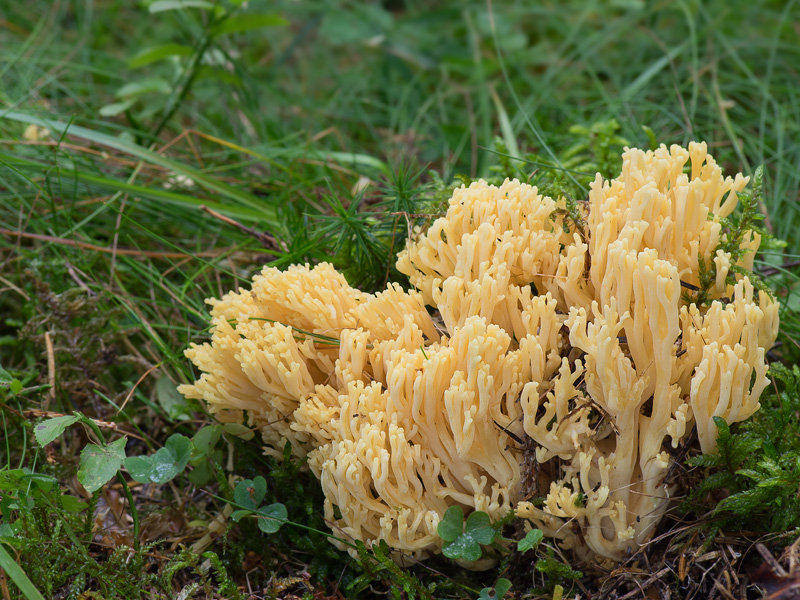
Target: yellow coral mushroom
{"x": 577, "y": 341}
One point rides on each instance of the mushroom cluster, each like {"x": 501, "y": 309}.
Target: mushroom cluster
{"x": 541, "y": 352}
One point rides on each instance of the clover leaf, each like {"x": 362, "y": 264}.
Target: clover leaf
{"x": 530, "y": 541}
{"x": 165, "y": 464}
{"x": 452, "y": 524}
{"x": 465, "y": 540}
{"x": 205, "y": 440}
{"x": 250, "y": 492}
{"x": 499, "y": 590}
{"x": 267, "y": 516}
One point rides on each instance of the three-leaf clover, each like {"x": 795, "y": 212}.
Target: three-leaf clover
{"x": 464, "y": 540}
{"x": 248, "y": 494}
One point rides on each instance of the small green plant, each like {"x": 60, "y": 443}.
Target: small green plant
{"x": 201, "y": 565}
{"x": 737, "y": 228}
{"x": 595, "y": 149}
{"x": 51, "y": 531}
{"x": 248, "y": 496}
{"x": 497, "y": 591}
{"x": 354, "y": 237}
{"x": 21, "y": 492}
{"x": 163, "y": 466}
{"x": 99, "y": 462}
{"x": 362, "y": 232}
{"x": 377, "y": 564}
{"x": 10, "y": 382}
{"x": 464, "y": 540}
{"x": 757, "y": 467}
{"x": 555, "y": 572}
{"x": 531, "y": 540}
{"x": 206, "y": 455}
{"x": 187, "y": 61}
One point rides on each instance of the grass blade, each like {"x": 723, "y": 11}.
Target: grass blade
{"x": 18, "y": 576}
{"x": 59, "y": 129}
{"x": 509, "y": 137}
{"x": 170, "y": 197}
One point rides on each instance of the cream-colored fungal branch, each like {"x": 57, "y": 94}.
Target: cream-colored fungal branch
{"x": 577, "y": 342}
{"x": 398, "y": 421}
{"x": 651, "y": 365}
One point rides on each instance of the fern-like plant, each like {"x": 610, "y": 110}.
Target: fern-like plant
{"x": 758, "y": 465}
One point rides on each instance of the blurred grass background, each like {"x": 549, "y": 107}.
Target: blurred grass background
{"x": 307, "y": 122}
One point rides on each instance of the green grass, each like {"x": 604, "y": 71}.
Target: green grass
{"x": 310, "y": 130}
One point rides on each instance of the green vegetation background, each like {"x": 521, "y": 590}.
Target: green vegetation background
{"x": 312, "y": 125}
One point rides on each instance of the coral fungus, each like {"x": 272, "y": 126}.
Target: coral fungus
{"x": 575, "y": 340}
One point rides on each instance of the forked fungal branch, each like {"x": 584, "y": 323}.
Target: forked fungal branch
{"x": 580, "y": 342}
